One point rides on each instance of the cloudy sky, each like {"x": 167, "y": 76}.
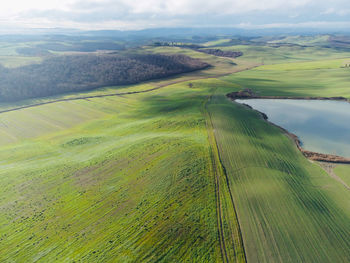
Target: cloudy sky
{"x": 131, "y": 14}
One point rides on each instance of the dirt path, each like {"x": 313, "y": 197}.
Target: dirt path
{"x": 329, "y": 168}
{"x": 231, "y": 240}
{"x": 162, "y": 85}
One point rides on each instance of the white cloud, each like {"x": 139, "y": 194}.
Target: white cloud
{"x": 189, "y": 7}
{"x": 128, "y": 14}
{"x": 17, "y": 6}
{"x": 333, "y": 11}
{"x": 308, "y": 24}
{"x": 172, "y": 7}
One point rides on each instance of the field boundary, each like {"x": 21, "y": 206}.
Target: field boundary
{"x": 168, "y": 83}
{"x": 216, "y": 171}
{"x": 221, "y": 181}
{"x": 329, "y": 168}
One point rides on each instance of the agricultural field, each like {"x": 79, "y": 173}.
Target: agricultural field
{"x": 11, "y": 59}
{"x": 343, "y": 171}
{"x": 283, "y": 201}
{"x": 110, "y": 181}
{"x": 266, "y": 54}
{"x": 326, "y": 78}
{"x": 171, "y": 170}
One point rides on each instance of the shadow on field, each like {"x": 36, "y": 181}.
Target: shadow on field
{"x": 157, "y": 105}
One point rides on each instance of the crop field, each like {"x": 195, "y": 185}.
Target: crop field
{"x": 297, "y": 79}
{"x": 90, "y": 176}
{"x": 175, "y": 172}
{"x": 289, "y": 209}
{"x": 321, "y": 40}
{"x": 17, "y": 61}
{"x": 283, "y": 54}
{"x": 11, "y": 59}
{"x": 131, "y": 181}
{"x": 343, "y": 171}
{"x": 215, "y": 43}
{"x": 312, "y": 65}
{"x": 9, "y": 48}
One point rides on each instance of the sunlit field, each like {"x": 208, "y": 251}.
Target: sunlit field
{"x": 176, "y": 172}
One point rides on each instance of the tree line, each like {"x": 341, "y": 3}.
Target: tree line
{"x": 63, "y": 74}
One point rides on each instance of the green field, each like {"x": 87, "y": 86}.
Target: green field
{"x": 11, "y": 59}
{"x": 283, "y": 54}
{"x": 343, "y": 171}
{"x": 284, "y": 202}
{"x": 132, "y": 175}
{"x": 295, "y": 80}
{"x": 176, "y": 174}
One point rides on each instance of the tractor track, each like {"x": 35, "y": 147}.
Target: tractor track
{"x": 220, "y": 173}
{"x": 219, "y": 222}
{"x": 217, "y": 166}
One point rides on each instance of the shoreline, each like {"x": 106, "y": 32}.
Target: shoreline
{"x": 249, "y": 94}
{"x": 314, "y": 156}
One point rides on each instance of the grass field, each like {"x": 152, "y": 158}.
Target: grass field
{"x": 283, "y": 54}
{"x": 312, "y": 65}
{"x": 215, "y": 43}
{"x": 343, "y": 171}
{"x": 11, "y": 59}
{"x": 177, "y": 174}
{"x": 18, "y": 61}
{"x": 130, "y": 182}
{"x": 289, "y": 209}
{"x": 320, "y": 40}
{"x": 321, "y": 78}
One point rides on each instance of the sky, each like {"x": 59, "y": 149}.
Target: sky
{"x": 132, "y": 15}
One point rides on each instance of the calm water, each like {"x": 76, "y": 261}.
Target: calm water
{"x": 322, "y": 126}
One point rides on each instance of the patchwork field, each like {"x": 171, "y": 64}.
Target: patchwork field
{"x": 174, "y": 174}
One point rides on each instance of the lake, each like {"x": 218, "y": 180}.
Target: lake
{"x": 322, "y": 126}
